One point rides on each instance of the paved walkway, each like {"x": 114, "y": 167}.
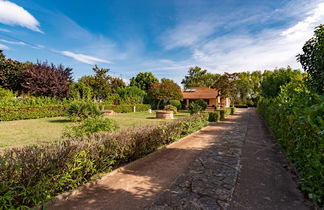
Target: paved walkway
{"x": 234, "y": 164}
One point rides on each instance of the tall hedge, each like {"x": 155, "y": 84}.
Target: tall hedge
{"x": 296, "y": 118}
{"x": 128, "y": 108}
{"x": 33, "y": 112}
{"x": 34, "y": 174}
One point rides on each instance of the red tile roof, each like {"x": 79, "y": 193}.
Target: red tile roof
{"x": 199, "y": 93}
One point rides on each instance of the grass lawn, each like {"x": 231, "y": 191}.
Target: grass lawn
{"x": 37, "y": 131}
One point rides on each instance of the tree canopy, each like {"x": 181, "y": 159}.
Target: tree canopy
{"x": 198, "y": 77}
{"x": 143, "y": 80}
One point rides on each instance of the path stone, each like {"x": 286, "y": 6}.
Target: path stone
{"x": 209, "y": 181}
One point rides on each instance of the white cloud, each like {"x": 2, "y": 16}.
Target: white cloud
{"x": 3, "y": 47}
{"x": 84, "y": 58}
{"x": 12, "y": 14}
{"x": 265, "y": 50}
{"x": 13, "y": 42}
{"x": 4, "y": 30}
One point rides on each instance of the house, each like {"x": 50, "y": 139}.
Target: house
{"x": 207, "y": 94}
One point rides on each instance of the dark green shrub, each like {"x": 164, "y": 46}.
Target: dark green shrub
{"x": 194, "y": 108}
{"x": 82, "y": 110}
{"x": 90, "y": 126}
{"x": 232, "y": 110}
{"x": 222, "y": 114}
{"x": 213, "y": 116}
{"x": 171, "y": 108}
{"x": 21, "y": 113}
{"x": 203, "y": 104}
{"x": 176, "y": 103}
{"x": 32, "y": 175}
{"x": 128, "y": 108}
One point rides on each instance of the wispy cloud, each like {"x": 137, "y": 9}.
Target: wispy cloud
{"x": 13, "y": 42}
{"x": 84, "y": 58}
{"x": 3, "y": 47}
{"x": 13, "y": 14}
{"x": 4, "y": 30}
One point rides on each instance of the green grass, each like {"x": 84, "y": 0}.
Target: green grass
{"x": 38, "y": 131}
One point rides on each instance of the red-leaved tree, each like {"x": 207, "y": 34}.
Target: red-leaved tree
{"x": 42, "y": 79}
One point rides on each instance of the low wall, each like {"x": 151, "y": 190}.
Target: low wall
{"x": 164, "y": 114}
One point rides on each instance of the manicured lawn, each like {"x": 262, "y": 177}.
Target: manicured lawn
{"x": 36, "y": 131}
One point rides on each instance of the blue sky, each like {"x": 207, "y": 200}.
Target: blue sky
{"x": 165, "y": 37}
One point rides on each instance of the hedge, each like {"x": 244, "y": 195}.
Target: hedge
{"x": 31, "y": 175}
{"x": 300, "y": 131}
{"x": 128, "y": 108}
{"x": 224, "y": 112}
{"x": 21, "y": 113}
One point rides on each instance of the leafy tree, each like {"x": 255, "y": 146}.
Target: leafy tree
{"x": 81, "y": 91}
{"x": 143, "y": 80}
{"x": 227, "y": 85}
{"x": 165, "y": 91}
{"x": 312, "y": 60}
{"x": 11, "y": 73}
{"x": 131, "y": 94}
{"x": 272, "y": 81}
{"x": 99, "y": 83}
{"x": 42, "y": 79}
{"x": 198, "y": 77}
{"x": 116, "y": 83}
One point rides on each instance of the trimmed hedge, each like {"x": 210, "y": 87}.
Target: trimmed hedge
{"x": 21, "y": 113}
{"x": 241, "y": 106}
{"x": 32, "y": 175}
{"x": 224, "y": 112}
{"x": 213, "y": 116}
{"x": 128, "y": 108}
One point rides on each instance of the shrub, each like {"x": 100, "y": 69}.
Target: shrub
{"x": 21, "y": 113}
{"x": 296, "y": 118}
{"x": 82, "y": 110}
{"x": 232, "y": 110}
{"x": 213, "y": 116}
{"x": 127, "y": 108}
{"x": 171, "y": 108}
{"x": 203, "y": 104}
{"x": 224, "y": 112}
{"x": 90, "y": 126}
{"x": 6, "y": 94}
{"x": 194, "y": 108}
{"x": 32, "y": 175}
{"x": 176, "y": 103}
{"x": 241, "y": 106}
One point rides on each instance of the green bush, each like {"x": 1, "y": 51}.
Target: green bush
{"x": 91, "y": 126}
{"x": 32, "y": 175}
{"x": 79, "y": 111}
{"x": 21, "y": 113}
{"x": 224, "y": 113}
{"x": 6, "y": 94}
{"x": 176, "y": 103}
{"x": 197, "y": 106}
{"x": 213, "y": 116}
{"x": 203, "y": 104}
{"x": 296, "y": 118}
{"x": 232, "y": 110}
{"x": 171, "y": 108}
{"x": 127, "y": 108}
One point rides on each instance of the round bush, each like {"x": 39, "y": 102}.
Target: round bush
{"x": 175, "y": 103}
{"x": 171, "y": 108}
{"x": 79, "y": 111}
{"x": 213, "y": 117}
{"x": 203, "y": 104}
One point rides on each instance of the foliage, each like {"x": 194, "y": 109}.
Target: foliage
{"x": 79, "y": 111}
{"x": 312, "y": 60}
{"x": 198, "y": 77}
{"x": 25, "y": 112}
{"x": 128, "y": 108}
{"x": 196, "y": 107}
{"x": 223, "y": 113}
{"x": 91, "y": 126}
{"x": 272, "y": 81}
{"x": 131, "y": 95}
{"x": 203, "y": 104}
{"x": 81, "y": 91}
{"x": 11, "y": 73}
{"x": 165, "y": 91}
{"x": 32, "y": 101}
{"x": 241, "y": 106}
{"x": 143, "y": 80}
{"x": 42, "y": 79}
{"x": 6, "y": 94}
{"x": 295, "y": 116}
{"x": 99, "y": 83}
{"x": 116, "y": 83}
{"x": 213, "y": 116}
{"x": 32, "y": 175}
{"x": 176, "y": 103}
{"x": 171, "y": 108}
{"x": 232, "y": 110}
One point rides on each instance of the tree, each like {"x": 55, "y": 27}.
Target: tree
{"x": 227, "y": 85}
{"x": 116, "y": 83}
{"x": 131, "y": 94}
{"x": 11, "y": 73}
{"x": 165, "y": 91}
{"x": 272, "y": 81}
{"x": 143, "y": 80}
{"x": 81, "y": 91}
{"x": 42, "y": 79}
{"x": 312, "y": 60}
{"x": 198, "y": 77}
{"x": 99, "y": 83}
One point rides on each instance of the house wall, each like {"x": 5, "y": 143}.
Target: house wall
{"x": 212, "y": 101}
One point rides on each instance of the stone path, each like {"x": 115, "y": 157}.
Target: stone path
{"x": 233, "y": 164}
